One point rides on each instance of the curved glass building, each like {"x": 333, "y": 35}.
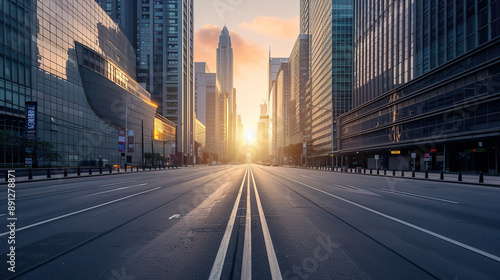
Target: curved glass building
{"x": 76, "y": 70}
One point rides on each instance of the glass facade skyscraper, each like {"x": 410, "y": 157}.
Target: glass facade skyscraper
{"x": 299, "y": 75}
{"x": 165, "y": 64}
{"x": 331, "y": 70}
{"x": 15, "y": 74}
{"x": 225, "y": 75}
{"x": 282, "y": 87}
{"x": 426, "y": 82}
{"x": 77, "y": 66}
{"x": 124, "y": 13}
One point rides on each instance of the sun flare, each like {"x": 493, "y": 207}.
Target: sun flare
{"x": 250, "y": 137}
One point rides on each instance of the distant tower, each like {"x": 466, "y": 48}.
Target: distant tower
{"x": 225, "y": 75}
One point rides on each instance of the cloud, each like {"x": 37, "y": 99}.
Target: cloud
{"x": 205, "y": 45}
{"x": 285, "y": 29}
{"x": 248, "y": 56}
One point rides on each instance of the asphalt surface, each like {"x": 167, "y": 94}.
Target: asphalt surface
{"x": 251, "y": 222}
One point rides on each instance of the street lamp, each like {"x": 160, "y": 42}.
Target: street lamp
{"x": 126, "y": 134}
{"x": 333, "y": 122}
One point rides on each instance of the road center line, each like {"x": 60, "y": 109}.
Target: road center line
{"x": 113, "y": 190}
{"x": 418, "y": 195}
{"x": 246, "y": 267}
{"x": 271, "y": 254}
{"x": 216, "y": 272}
{"x": 307, "y": 177}
{"x": 437, "y": 235}
{"x": 80, "y": 211}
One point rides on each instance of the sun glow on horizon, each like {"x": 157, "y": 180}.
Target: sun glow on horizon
{"x": 250, "y": 137}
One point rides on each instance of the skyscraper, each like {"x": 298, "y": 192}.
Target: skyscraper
{"x": 282, "y": 86}
{"x": 262, "y": 144}
{"x": 274, "y": 67}
{"x": 299, "y": 75}
{"x": 272, "y": 103}
{"x": 331, "y": 71}
{"x": 240, "y": 136}
{"x": 426, "y": 86}
{"x": 124, "y": 13}
{"x": 78, "y": 96}
{"x": 208, "y": 109}
{"x": 225, "y": 75}
{"x": 305, "y": 16}
{"x": 165, "y": 64}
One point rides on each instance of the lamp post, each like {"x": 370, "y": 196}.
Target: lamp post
{"x": 333, "y": 122}
{"x": 126, "y": 135}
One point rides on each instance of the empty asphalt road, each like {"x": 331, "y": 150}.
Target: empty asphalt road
{"x": 250, "y": 222}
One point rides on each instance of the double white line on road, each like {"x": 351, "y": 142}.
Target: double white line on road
{"x": 246, "y": 271}
{"x": 221, "y": 253}
{"x": 271, "y": 254}
{"x": 246, "y": 267}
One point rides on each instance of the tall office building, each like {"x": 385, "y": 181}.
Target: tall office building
{"x": 272, "y": 103}
{"x": 426, "y": 86}
{"x": 305, "y": 16}
{"x": 262, "y": 145}
{"x": 165, "y": 64}
{"x": 77, "y": 95}
{"x": 306, "y": 25}
{"x": 202, "y": 87}
{"x": 241, "y": 141}
{"x": 223, "y": 127}
{"x": 273, "y": 132}
{"x": 307, "y": 150}
{"x": 299, "y": 75}
{"x": 331, "y": 71}
{"x": 282, "y": 86}
{"x": 225, "y": 75}
{"x": 208, "y": 109}
{"x": 124, "y": 13}
{"x": 274, "y": 67}
{"x": 200, "y": 138}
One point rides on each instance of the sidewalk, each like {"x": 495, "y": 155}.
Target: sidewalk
{"x": 58, "y": 174}
{"x": 433, "y": 176}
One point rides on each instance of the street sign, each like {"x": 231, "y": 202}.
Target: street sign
{"x": 427, "y": 159}
{"x": 413, "y": 155}
{"x": 396, "y": 152}
{"x": 427, "y": 155}
{"x": 377, "y": 157}
{"x": 30, "y": 133}
{"x": 121, "y": 140}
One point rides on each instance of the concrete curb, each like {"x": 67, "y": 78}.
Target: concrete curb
{"x": 81, "y": 177}
{"x": 411, "y": 178}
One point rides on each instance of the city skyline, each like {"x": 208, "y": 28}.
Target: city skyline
{"x": 183, "y": 139}
{"x": 248, "y": 24}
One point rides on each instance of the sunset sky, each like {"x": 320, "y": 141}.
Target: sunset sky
{"x": 254, "y": 27}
